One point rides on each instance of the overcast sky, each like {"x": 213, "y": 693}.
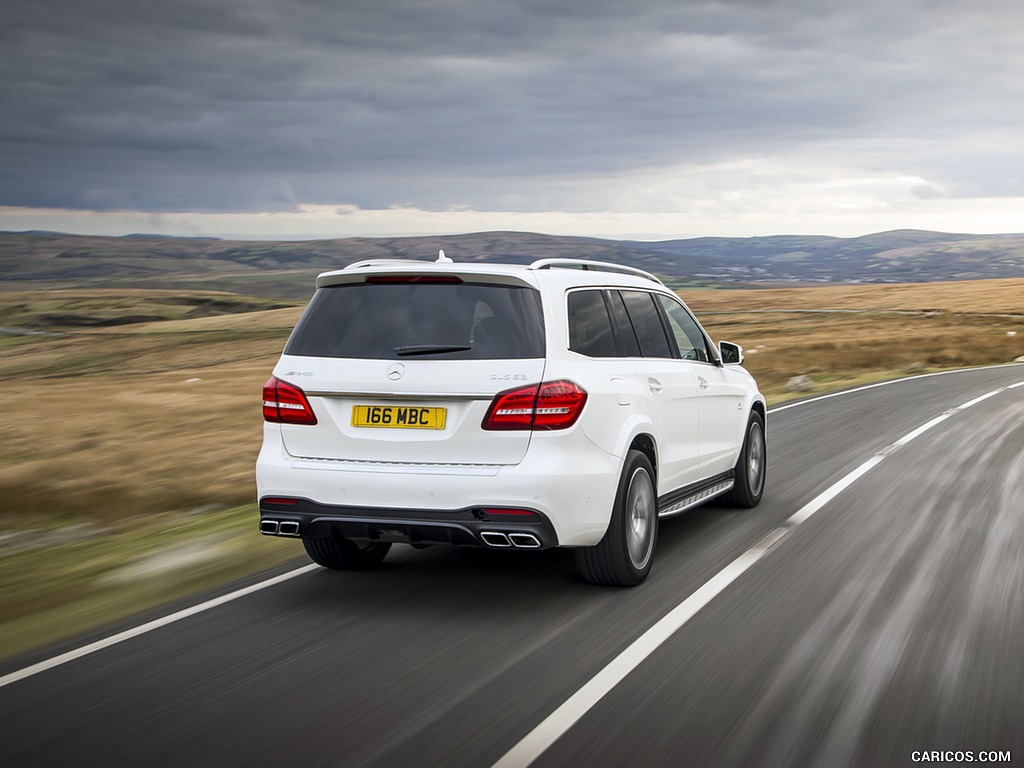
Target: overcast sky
{"x": 647, "y": 118}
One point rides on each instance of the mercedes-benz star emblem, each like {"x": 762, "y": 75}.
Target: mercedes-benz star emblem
{"x": 396, "y": 371}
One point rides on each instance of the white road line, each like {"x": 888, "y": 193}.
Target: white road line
{"x": 576, "y": 706}
{"x": 142, "y": 629}
{"x": 798, "y": 403}
{"x": 835, "y": 489}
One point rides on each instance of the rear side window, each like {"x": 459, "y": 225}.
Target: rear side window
{"x": 401, "y": 320}
{"x": 590, "y": 327}
{"x": 647, "y": 323}
{"x": 627, "y": 337}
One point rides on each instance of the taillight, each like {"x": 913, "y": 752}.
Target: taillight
{"x": 551, "y": 405}
{"x": 284, "y": 403}
{"x": 512, "y": 409}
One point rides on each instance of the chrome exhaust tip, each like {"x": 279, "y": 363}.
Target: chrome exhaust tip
{"x": 268, "y": 527}
{"x": 524, "y": 540}
{"x": 288, "y": 528}
{"x": 495, "y": 539}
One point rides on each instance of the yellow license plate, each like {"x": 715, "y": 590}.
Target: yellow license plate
{"x": 398, "y": 416}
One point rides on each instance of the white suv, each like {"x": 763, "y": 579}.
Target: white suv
{"x": 561, "y": 404}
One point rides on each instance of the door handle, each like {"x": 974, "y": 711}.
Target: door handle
{"x": 702, "y": 382}
{"x": 654, "y": 385}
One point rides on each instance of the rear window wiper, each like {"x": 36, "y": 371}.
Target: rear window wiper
{"x": 429, "y": 349}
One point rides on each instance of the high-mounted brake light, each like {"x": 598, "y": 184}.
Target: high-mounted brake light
{"x": 401, "y": 279}
{"x": 284, "y": 403}
{"x": 550, "y": 405}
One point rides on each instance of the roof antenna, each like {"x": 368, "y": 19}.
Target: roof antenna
{"x": 442, "y": 259}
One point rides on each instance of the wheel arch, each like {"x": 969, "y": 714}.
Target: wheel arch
{"x": 759, "y": 407}
{"x": 644, "y": 443}
{"x": 637, "y": 434}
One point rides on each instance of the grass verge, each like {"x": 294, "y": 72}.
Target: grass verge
{"x": 53, "y": 593}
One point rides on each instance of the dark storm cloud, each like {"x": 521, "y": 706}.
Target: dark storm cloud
{"x": 259, "y": 105}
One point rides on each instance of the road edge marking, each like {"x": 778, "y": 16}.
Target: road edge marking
{"x": 830, "y": 395}
{"x": 555, "y": 725}
{"x": 85, "y": 650}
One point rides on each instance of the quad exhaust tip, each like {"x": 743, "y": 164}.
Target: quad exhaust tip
{"x": 279, "y": 528}
{"x": 495, "y": 539}
{"x": 524, "y": 540}
{"x": 518, "y": 540}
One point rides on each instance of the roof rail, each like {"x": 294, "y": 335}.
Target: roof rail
{"x": 384, "y": 263}
{"x": 586, "y": 265}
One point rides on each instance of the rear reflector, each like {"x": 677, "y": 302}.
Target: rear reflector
{"x": 284, "y": 403}
{"x": 550, "y": 405}
{"x": 273, "y": 500}
{"x": 497, "y": 511}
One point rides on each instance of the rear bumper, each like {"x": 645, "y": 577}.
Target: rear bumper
{"x": 570, "y": 487}
{"x": 474, "y": 526}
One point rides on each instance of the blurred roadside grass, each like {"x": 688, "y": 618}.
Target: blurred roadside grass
{"x": 148, "y": 431}
{"x": 58, "y": 591}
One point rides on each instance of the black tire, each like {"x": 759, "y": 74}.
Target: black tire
{"x": 624, "y": 557}
{"x": 751, "y": 467}
{"x": 346, "y": 555}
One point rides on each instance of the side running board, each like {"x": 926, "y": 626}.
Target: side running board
{"x": 694, "y": 497}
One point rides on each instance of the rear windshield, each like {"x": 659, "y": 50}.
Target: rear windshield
{"x": 397, "y": 321}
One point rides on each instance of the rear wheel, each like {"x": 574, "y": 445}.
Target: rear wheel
{"x": 624, "y": 556}
{"x": 346, "y": 555}
{"x": 750, "y": 467}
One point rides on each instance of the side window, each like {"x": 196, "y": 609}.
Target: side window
{"x": 692, "y": 344}
{"x": 628, "y": 345}
{"x": 590, "y": 328}
{"x": 647, "y": 323}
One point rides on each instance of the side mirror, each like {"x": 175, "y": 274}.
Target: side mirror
{"x": 732, "y": 354}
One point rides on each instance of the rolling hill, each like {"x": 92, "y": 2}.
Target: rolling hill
{"x": 284, "y": 268}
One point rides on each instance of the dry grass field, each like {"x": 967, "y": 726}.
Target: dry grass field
{"x": 977, "y": 296}
{"x": 140, "y": 431}
{"x": 135, "y": 419}
{"x": 838, "y": 335}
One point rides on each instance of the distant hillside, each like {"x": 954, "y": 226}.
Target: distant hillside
{"x": 284, "y": 268}
{"x": 899, "y": 256}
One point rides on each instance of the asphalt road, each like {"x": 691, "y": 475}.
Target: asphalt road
{"x": 889, "y": 622}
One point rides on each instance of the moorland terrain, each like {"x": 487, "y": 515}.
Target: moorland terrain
{"x": 284, "y": 268}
